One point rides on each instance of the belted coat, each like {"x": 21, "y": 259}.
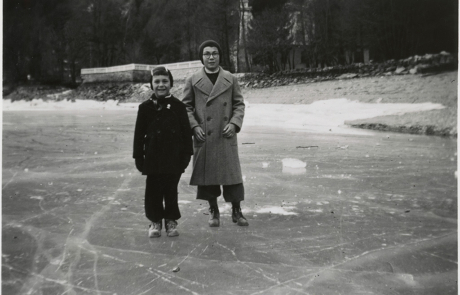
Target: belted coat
{"x": 163, "y": 137}
{"x": 212, "y": 107}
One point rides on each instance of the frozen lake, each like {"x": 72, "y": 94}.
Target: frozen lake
{"x": 331, "y": 212}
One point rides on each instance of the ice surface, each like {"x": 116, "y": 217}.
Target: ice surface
{"x": 388, "y": 229}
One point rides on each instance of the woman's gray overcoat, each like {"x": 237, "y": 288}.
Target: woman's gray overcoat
{"x": 212, "y": 107}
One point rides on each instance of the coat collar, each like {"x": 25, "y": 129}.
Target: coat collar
{"x": 202, "y": 82}
{"x": 151, "y": 104}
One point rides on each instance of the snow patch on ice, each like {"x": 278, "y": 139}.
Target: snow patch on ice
{"x": 293, "y": 166}
{"x": 294, "y": 163}
{"x": 277, "y": 210}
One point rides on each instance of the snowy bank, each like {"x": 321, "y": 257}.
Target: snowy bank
{"x": 319, "y": 116}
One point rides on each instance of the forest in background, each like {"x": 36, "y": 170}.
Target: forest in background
{"x": 51, "y": 40}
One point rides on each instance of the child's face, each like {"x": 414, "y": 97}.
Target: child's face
{"x": 161, "y": 85}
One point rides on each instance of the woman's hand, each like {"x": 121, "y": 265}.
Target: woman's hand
{"x": 199, "y": 133}
{"x": 229, "y": 130}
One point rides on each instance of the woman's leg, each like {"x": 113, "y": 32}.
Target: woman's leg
{"x": 235, "y": 194}
{"x": 210, "y": 193}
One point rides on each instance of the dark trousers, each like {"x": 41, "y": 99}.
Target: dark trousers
{"x": 161, "y": 188}
{"x": 232, "y": 193}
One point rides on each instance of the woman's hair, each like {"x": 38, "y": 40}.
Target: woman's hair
{"x": 160, "y": 71}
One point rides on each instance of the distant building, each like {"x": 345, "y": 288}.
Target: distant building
{"x": 297, "y": 57}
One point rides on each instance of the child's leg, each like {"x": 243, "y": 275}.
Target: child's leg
{"x": 171, "y": 211}
{"x": 154, "y": 192}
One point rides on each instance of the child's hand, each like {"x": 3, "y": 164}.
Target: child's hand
{"x": 139, "y": 163}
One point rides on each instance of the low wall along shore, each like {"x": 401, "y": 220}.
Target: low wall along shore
{"x": 137, "y": 72}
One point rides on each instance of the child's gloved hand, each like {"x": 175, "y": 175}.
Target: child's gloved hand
{"x": 139, "y": 163}
{"x": 185, "y": 161}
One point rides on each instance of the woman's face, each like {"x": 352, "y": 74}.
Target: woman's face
{"x": 211, "y": 58}
{"x": 161, "y": 85}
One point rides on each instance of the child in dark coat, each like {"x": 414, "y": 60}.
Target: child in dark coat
{"x": 162, "y": 150}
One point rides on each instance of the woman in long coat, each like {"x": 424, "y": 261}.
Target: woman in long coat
{"x": 215, "y": 108}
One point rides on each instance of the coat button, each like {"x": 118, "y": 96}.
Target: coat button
{"x": 225, "y": 118}
{"x": 209, "y": 119}
{"x": 209, "y": 132}
{"x": 225, "y": 104}
{"x": 158, "y": 131}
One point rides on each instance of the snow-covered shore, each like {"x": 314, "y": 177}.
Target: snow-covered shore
{"x": 319, "y": 116}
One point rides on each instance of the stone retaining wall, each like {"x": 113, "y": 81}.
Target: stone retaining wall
{"x": 137, "y": 73}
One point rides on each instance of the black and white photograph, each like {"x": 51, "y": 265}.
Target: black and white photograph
{"x": 236, "y": 147}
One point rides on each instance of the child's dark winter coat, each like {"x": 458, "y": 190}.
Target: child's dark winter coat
{"x": 163, "y": 136}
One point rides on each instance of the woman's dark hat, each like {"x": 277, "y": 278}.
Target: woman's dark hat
{"x": 160, "y": 71}
{"x": 210, "y": 43}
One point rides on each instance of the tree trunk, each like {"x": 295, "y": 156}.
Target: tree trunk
{"x": 246, "y": 57}
{"x": 238, "y": 39}
{"x": 73, "y": 71}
